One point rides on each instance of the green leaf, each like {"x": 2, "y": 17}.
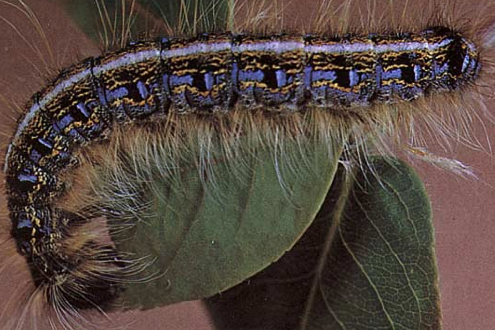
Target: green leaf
{"x": 206, "y": 233}
{"x": 367, "y": 262}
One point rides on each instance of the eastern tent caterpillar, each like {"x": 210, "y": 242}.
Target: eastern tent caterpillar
{"x": 395, "y": 76}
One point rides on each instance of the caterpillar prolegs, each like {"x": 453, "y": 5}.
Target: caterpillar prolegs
{"x": 347, "y": 76}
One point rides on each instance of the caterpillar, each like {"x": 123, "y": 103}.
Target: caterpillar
{"x": 352, "y": 78}
{"x": 202, "y": 75}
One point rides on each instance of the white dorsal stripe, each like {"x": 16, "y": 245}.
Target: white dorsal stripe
{"x": 205, "y": 47}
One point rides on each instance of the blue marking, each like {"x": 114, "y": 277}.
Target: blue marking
{"x": 64, "y": 155}
{"x": 465, "y": 63}
{"x": 308, "y": 70}
{"x": 166, "y": 86}
{"x": 444, "y": 68}
{"x": 472, "y": 65}
{"x": 25, "y": 223}
{"x": 439, "y": 70}
{"x": 143, "y": 91}
{"x": 281, "y": 78}
{"x": 181, "y": 100}
{"x": 101, "y": 95}
{"x": 94, "y": 129}
{"x": 353, "y": 78}
{"x": 64, "y": 122}
{"x": 365, "y": 76}
{"x": 250, "y": 75}
{"x": 208, "y": 81}
{"x": 220, "y": 78}
{"x": 27, "y": 178}
{"x": 75, "y": 134}
{"x": 56, "y": 128}
{"x": 82, "y": 108}
{"x": 45, "y": 143}
{"x": 92, "y": 105}
{"x": 378, "y": 72}
{"x": 235, "y": 73}
{"x": 397, "y": 73}
{"x": 181, "y": 80}
{"x": 117, "y": 94}
{"x": 34, "y": 156}
{"x": 154, "y": 85}
{"x": 417, "y": 72}
{"x": 323, "y": 75}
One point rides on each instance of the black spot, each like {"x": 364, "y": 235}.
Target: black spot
{"x": 270, "y": 78}
{"x": 343, "y": 79}
{"x": 407, "y": 69}
{"x": 456, "y": 55}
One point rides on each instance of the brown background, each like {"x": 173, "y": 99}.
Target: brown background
{"x": 464, "y": 209}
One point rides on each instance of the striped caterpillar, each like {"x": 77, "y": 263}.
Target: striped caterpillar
{"x": 346, "y": 76}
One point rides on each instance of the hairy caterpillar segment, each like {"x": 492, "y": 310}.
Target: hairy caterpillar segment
{"x": 208, "y": 74}
{"x": 133, "y": 90}
{"x": 199, "y": 73}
